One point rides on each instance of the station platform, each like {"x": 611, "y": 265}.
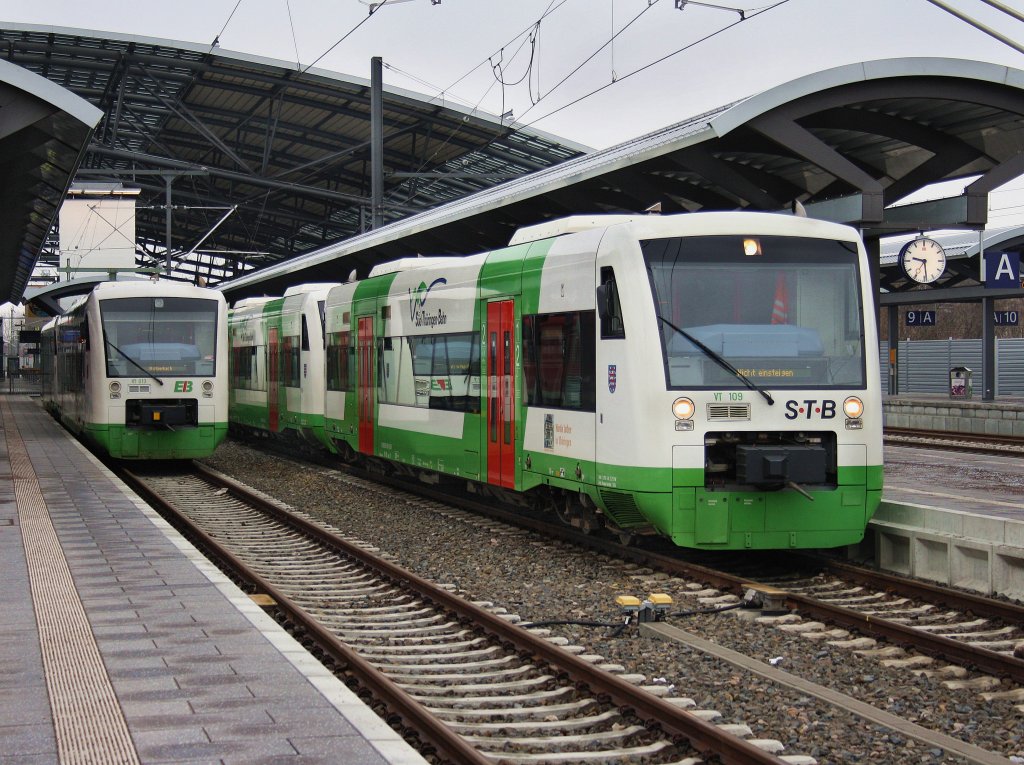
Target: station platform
{"x": 120, "y": 643}
{"x": 952, "y": 517}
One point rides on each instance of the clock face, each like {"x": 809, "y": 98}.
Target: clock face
{"x": 923, "y": 260}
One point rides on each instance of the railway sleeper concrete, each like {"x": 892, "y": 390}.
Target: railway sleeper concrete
{"x": 541, "y": 713}
{"x": 951, "y": 671}
{"x": 515, "y": 702}
{"x": 1017, "y": 694}
{"x": 572, "y": 723}
{"x": 562, "y": 742}
{"x": 597, "y": 756}
{"x": 983, "y": 683}
{"x": 908, "y": 663}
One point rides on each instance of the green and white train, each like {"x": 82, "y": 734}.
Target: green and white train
{"x": 138, "y": 369}
{"x": 709, "y": 377}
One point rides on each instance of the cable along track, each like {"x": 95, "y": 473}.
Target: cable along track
{"x": 469, "y": 682}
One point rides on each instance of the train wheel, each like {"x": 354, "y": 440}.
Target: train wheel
{"x": 581, "y": 517}
{"x": 627, "y": 538}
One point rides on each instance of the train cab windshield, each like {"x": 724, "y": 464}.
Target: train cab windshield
{"x": 784, "y": 311}
{"x": 160, "y": 336}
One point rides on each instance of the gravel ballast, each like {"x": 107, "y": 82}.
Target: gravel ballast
{"x": 541, "y": 581}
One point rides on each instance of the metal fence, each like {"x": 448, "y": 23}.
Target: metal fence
{"x": 923, "y": 365}
{"x": 22, "y": 381}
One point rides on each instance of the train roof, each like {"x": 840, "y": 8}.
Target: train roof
{"x": 408, "y": 264}
{"x": 692, "y": 223}
{"x": 300, "y": 289}
{"x": 251, "y": 302}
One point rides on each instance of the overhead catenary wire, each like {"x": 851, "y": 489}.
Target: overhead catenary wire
{"x": 657, "y": 61}
{"x": 345, "y": 36}
{"x": 216, "y": 39}
{"x": 519, "y": 125}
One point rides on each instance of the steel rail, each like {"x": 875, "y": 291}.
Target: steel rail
{"x": 1007, "y": 446}
{"x": 978, "y": 605}
{"x": 980, "y": 658}
{"x": 413, "y": 715}
{"x": 703, "y": 736}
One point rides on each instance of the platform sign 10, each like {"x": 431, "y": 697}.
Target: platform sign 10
{"x": 1006, "y": 318}
{"x": 920, "y": 318}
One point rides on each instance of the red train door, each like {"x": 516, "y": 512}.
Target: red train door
{"x": 273, "y": 378}
{"x": 364, "y": 350}
{"x": 501, "y": 421}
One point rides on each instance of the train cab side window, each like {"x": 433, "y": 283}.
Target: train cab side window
{"x": 608, "y": 306}
{"x": 558, "y": 360}
{"x": 305, "y": 335}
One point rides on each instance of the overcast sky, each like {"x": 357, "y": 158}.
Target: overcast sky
{"x": 455, "y": 46}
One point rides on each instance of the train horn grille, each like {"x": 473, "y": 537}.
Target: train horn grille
{"x": 719, "y": 412}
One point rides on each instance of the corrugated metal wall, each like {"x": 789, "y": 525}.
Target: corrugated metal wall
{"x": 924, "y": 365}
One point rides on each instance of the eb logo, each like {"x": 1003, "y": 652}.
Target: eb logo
{"x": 183, "y": 386}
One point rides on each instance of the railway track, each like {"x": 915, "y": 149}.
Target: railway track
{"x": 472, "y": 685}
{"x": 922, "y": 622}
{"x": 938, "y": 623}
{"x": 950, "y": 441}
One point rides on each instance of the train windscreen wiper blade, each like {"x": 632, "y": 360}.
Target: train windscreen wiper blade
{"x": 133, "y": 362}
{"x": 720, "y": 360}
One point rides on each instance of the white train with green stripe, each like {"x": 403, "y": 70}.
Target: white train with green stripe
{"x": 709, "y": 377}
{"x": 138, "y": 369}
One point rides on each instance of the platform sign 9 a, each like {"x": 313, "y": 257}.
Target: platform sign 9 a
{"x": 920, "y": 318}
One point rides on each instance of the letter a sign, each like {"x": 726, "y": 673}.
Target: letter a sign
{"x": 1002, "y": 270}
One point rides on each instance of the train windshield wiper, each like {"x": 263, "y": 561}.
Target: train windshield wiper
{"x": 133, "y": 362}
{"x": 720, "y": 360}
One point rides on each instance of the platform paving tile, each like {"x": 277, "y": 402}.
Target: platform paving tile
{"x": 22, "y": 707}
{"x": 340, "y": 749}
{"x": 17, "y": 741}
{"x": 242, "y": 751}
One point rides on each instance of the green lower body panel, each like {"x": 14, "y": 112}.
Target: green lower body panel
{"x": 452, "y": 456}
{"x": 137, "y": 443}
{"x": 771, "y": 520}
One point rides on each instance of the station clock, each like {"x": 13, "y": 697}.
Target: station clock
{"x": 923, "y": 260}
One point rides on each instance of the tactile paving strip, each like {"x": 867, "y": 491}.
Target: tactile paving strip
{"x": 88, "y": 722}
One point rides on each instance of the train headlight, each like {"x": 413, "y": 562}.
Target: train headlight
{"x": 853, "y": 407}
{"x": 208, "y": 388}
{"x": 683, "y": 408}
{"x": 115, "y": 389}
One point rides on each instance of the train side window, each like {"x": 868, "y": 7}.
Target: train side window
{"x": 558, "y": 360}
{"x": 608, "y": 306}
{"x": 340, "y": 362}
{"x": 305, "y": 334}
{"x": 290, "y": 365}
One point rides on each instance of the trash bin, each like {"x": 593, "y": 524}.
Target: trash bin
{"x": 960, "y": 385}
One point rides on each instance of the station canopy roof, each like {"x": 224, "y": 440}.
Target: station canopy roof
{"x": 844, "y": 144}
{"x": 291, "y": 150}
{"x": 284, "y": 154}
{"x": 43, "y": 129}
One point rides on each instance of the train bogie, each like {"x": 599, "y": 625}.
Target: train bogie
{"x": 705, "y": 377}
{"x": 139, "y": 370}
